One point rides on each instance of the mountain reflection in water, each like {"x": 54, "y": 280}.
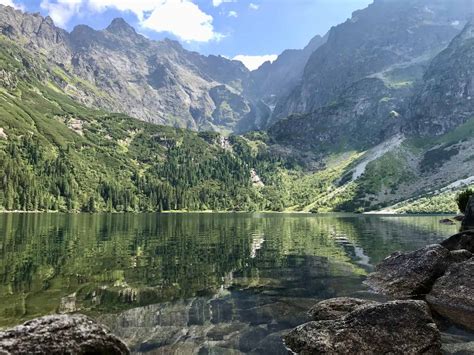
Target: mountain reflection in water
{"x": 195, "y": 283}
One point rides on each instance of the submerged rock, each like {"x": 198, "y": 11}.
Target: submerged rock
{"x": 336, "y": 308}
{"x": 452, "y": 295}
{"x": 60, "y": 334}
{"x": 447, "y": 221}
{"x": 411, "y": 274}
{"x": 398, "y": 327}
{"x": 463, "y": 240}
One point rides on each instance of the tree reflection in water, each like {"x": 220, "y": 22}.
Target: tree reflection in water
{"x": 184, "y": 282}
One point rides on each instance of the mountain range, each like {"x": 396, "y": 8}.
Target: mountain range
{"x": 378, "y": 113}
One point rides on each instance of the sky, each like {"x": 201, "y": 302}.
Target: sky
{"x": 252, "y": 31}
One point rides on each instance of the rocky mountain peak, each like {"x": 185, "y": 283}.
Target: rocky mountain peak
{"x": 119, "y": 26}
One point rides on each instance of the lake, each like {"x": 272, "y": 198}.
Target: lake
{"x": 195, "y": 283}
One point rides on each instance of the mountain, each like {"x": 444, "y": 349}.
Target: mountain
{"x": 406, "y": 153}
{"x": 381, "y": 116}
{"x": 446, "y": 98}
{"x": 59, "y": 155}
{"x": 273, "y": 80}
{"x": 364, "y": 115}
{"x": 391, "y": 39}
{"x": 118, "y": 69}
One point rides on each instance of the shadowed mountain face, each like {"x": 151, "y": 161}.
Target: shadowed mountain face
{"x": 273, "y": 81}
{"x": 371, "y": 111}
{"x": 390, "y": 40}
{"x": 120, "y": 70}
{"x": 446, "y": 98}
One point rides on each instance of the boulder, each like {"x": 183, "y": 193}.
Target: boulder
{"x": 463, "y": 240}
{"x": 60, "y": 334}
{"x": 336, "y": 308}
{"x": 452, "y": 295}
{"x": 458, "y": 256}
{"x": 398, "y": 327}
{"x": 406, "y": 275}
{"x": 468, "y": 221}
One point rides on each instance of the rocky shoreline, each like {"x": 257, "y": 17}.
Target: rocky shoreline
{"x": 428, "y": 286}
{"x": 61, "y": 334}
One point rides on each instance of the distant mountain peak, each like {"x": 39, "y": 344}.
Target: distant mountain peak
{"x": 120, "y": 26}
{"x": 468, "y": 31}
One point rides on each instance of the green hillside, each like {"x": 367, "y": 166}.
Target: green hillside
{"x": 56, "y": 154}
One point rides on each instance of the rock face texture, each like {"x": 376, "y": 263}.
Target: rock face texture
{"x": 399, "y": 327}
{"x": 460, "y": 241}
{"x": 273, "y": 81}
{"x": 336, "y": 308}
{"x": 446, "y": 99}
{"x": 118, "y": 69}
{"x": 411, "y": 274}
{"x": 452, "y": 295}
{"x": 363, "y": 116}
{"x": 388, "y": 39}
{"x": 396, "y": 66}
{"x": 468, "y": 221}
{"x": 60, "y": 334}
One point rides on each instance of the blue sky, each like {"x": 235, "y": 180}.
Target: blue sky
{"x": 252, "y": 29}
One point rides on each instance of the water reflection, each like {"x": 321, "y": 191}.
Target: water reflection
{"x": 194, "y": 282}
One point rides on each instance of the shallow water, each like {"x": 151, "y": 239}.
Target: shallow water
{"x": 195, "y": 283}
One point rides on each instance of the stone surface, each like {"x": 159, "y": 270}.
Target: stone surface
{"x": 463, "y": 240}
{"x": 468, "y": 221}
{"x": 458, "y": 256}
{"x": 359, "y": 48}
{"x": 411, "y": 274}
{"x": 122, "y": 71}
{"x": 61, "y": 334}
{"x": 399, "y": 327}
{"x": 466, "y": 348}
{"x": 448, "y": 222}
{"x": 444, "y": 101}
{"x": 336, "y": 308}
{"x": 3, "y": 135}
{"x": 452, "y": 295}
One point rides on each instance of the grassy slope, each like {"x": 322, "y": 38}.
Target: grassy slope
{"x": 114, "y": 148}
{"x": 105, "y": 147}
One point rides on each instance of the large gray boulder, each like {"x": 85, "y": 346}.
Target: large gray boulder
{"x": 452, "y": 295}
{"x": 460, "y": 241}
{"x": 60, "y": 334}
{"x": 468, "y": 221}
{"x": 336, "y": 308}
{"x": 398, "y": 327}
{"x": 406, "y": 275}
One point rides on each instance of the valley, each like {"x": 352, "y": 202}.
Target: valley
{"x": 112, "y": 121}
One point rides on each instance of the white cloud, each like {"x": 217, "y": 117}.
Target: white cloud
{"x": 217, "y": 3}
{"x": 253, "y": 62}
{"x": 183, "y": 18}
{"x": 253, "y": 6}
{"x": 61, "y": 11}
{"x": 233, "y": 14}
{"x": 138, "y": 7}
{"x": 12, "y": 4}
